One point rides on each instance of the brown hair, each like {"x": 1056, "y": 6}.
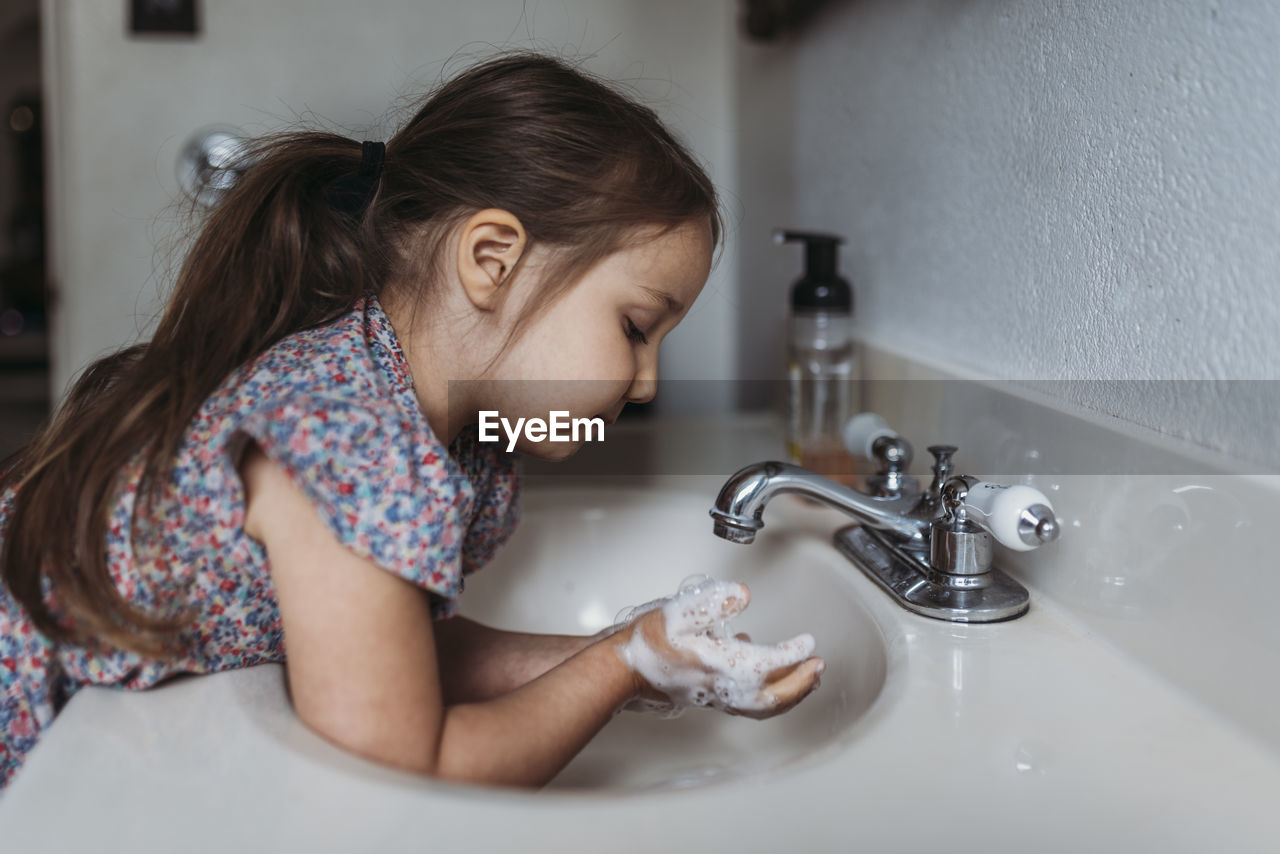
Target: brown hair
{"x": 581, "y": 165}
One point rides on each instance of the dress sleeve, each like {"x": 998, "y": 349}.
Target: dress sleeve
{"x": 496, "y": 475}
{"x": 371, "y": 483}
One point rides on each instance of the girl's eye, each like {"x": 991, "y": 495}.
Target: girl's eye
{"x": 634, "y": 333}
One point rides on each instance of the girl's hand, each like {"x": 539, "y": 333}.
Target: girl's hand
{"x": 682, "y": 655}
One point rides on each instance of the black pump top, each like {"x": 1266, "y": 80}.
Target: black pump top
{"x": 821, "y": 287}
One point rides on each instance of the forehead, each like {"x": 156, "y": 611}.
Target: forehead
{"x": 680, "y": 257}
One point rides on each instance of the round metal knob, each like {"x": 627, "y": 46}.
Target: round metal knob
{"x": 211, "y": 161}
{"x": 893, "y": 454}
{"x": 1037, "y": 525}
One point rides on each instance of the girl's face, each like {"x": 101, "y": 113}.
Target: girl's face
{"x": 595, "y": 349}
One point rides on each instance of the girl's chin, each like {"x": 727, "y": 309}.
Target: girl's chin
{"x": 550, "y": 451}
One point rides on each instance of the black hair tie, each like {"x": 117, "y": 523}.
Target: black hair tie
{"x": 352, "y": 193}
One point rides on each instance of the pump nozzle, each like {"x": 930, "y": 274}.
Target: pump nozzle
{"x": 821, "y": 287}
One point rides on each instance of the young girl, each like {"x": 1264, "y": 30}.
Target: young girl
{"x": 292, "y": 461}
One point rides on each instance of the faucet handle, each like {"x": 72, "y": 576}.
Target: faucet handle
{"x": 866, "y": 435}
{"x": 1019, "y": 516}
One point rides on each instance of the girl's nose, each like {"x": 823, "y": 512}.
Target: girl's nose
{"x": 645, "y": 384}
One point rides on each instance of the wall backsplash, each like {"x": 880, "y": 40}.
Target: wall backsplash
{"x": 1070, "y": 190}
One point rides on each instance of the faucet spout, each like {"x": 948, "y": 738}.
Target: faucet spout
{"x": 739, "y": 509}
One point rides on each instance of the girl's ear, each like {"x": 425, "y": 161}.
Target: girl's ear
{"x": 491, "y": 243}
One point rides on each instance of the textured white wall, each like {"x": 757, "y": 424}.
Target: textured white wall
{"x": 1058, "y": 190}
{"x": 120, "y": 109}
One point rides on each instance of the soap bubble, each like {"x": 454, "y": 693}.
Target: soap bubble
{"x": 693, "y": 584}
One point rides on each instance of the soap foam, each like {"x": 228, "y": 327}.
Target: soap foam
{"x": 725, "y": 672}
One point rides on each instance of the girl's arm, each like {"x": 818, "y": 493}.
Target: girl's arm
{"x": 478, "y": 662}
{"x": 363, "y": 669}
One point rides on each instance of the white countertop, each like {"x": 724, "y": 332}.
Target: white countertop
{"x": 1027, "y": 735}
{"x": 1130, "y": 710}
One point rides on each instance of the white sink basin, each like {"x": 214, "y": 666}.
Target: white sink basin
{"x": 581, "y": 555}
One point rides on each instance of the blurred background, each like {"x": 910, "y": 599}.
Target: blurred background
{"x": 1081, "y": 190}
{"x": 24, "y": 342}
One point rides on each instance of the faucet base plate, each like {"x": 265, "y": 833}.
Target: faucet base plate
{"x": 904, "y": 578}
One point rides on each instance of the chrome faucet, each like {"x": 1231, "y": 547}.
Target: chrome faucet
{"x": 931, "y": 550}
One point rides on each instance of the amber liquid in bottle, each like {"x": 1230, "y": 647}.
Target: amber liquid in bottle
{"x": 821, "y": 391}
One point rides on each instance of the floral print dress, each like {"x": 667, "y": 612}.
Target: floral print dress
{"x": 335, "y": 407}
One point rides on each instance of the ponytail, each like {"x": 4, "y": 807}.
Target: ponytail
{"x": 272, "y": 259}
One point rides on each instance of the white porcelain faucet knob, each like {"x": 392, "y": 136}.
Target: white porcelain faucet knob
{"x": 1019, "y": 517}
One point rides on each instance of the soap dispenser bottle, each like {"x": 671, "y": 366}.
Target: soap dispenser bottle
{"x": 820, "y": 358}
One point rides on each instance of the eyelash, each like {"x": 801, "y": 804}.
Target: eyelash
{"x": 634, "y": 333}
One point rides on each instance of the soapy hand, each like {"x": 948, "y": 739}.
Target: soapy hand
{"x": 681, "y": 650}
